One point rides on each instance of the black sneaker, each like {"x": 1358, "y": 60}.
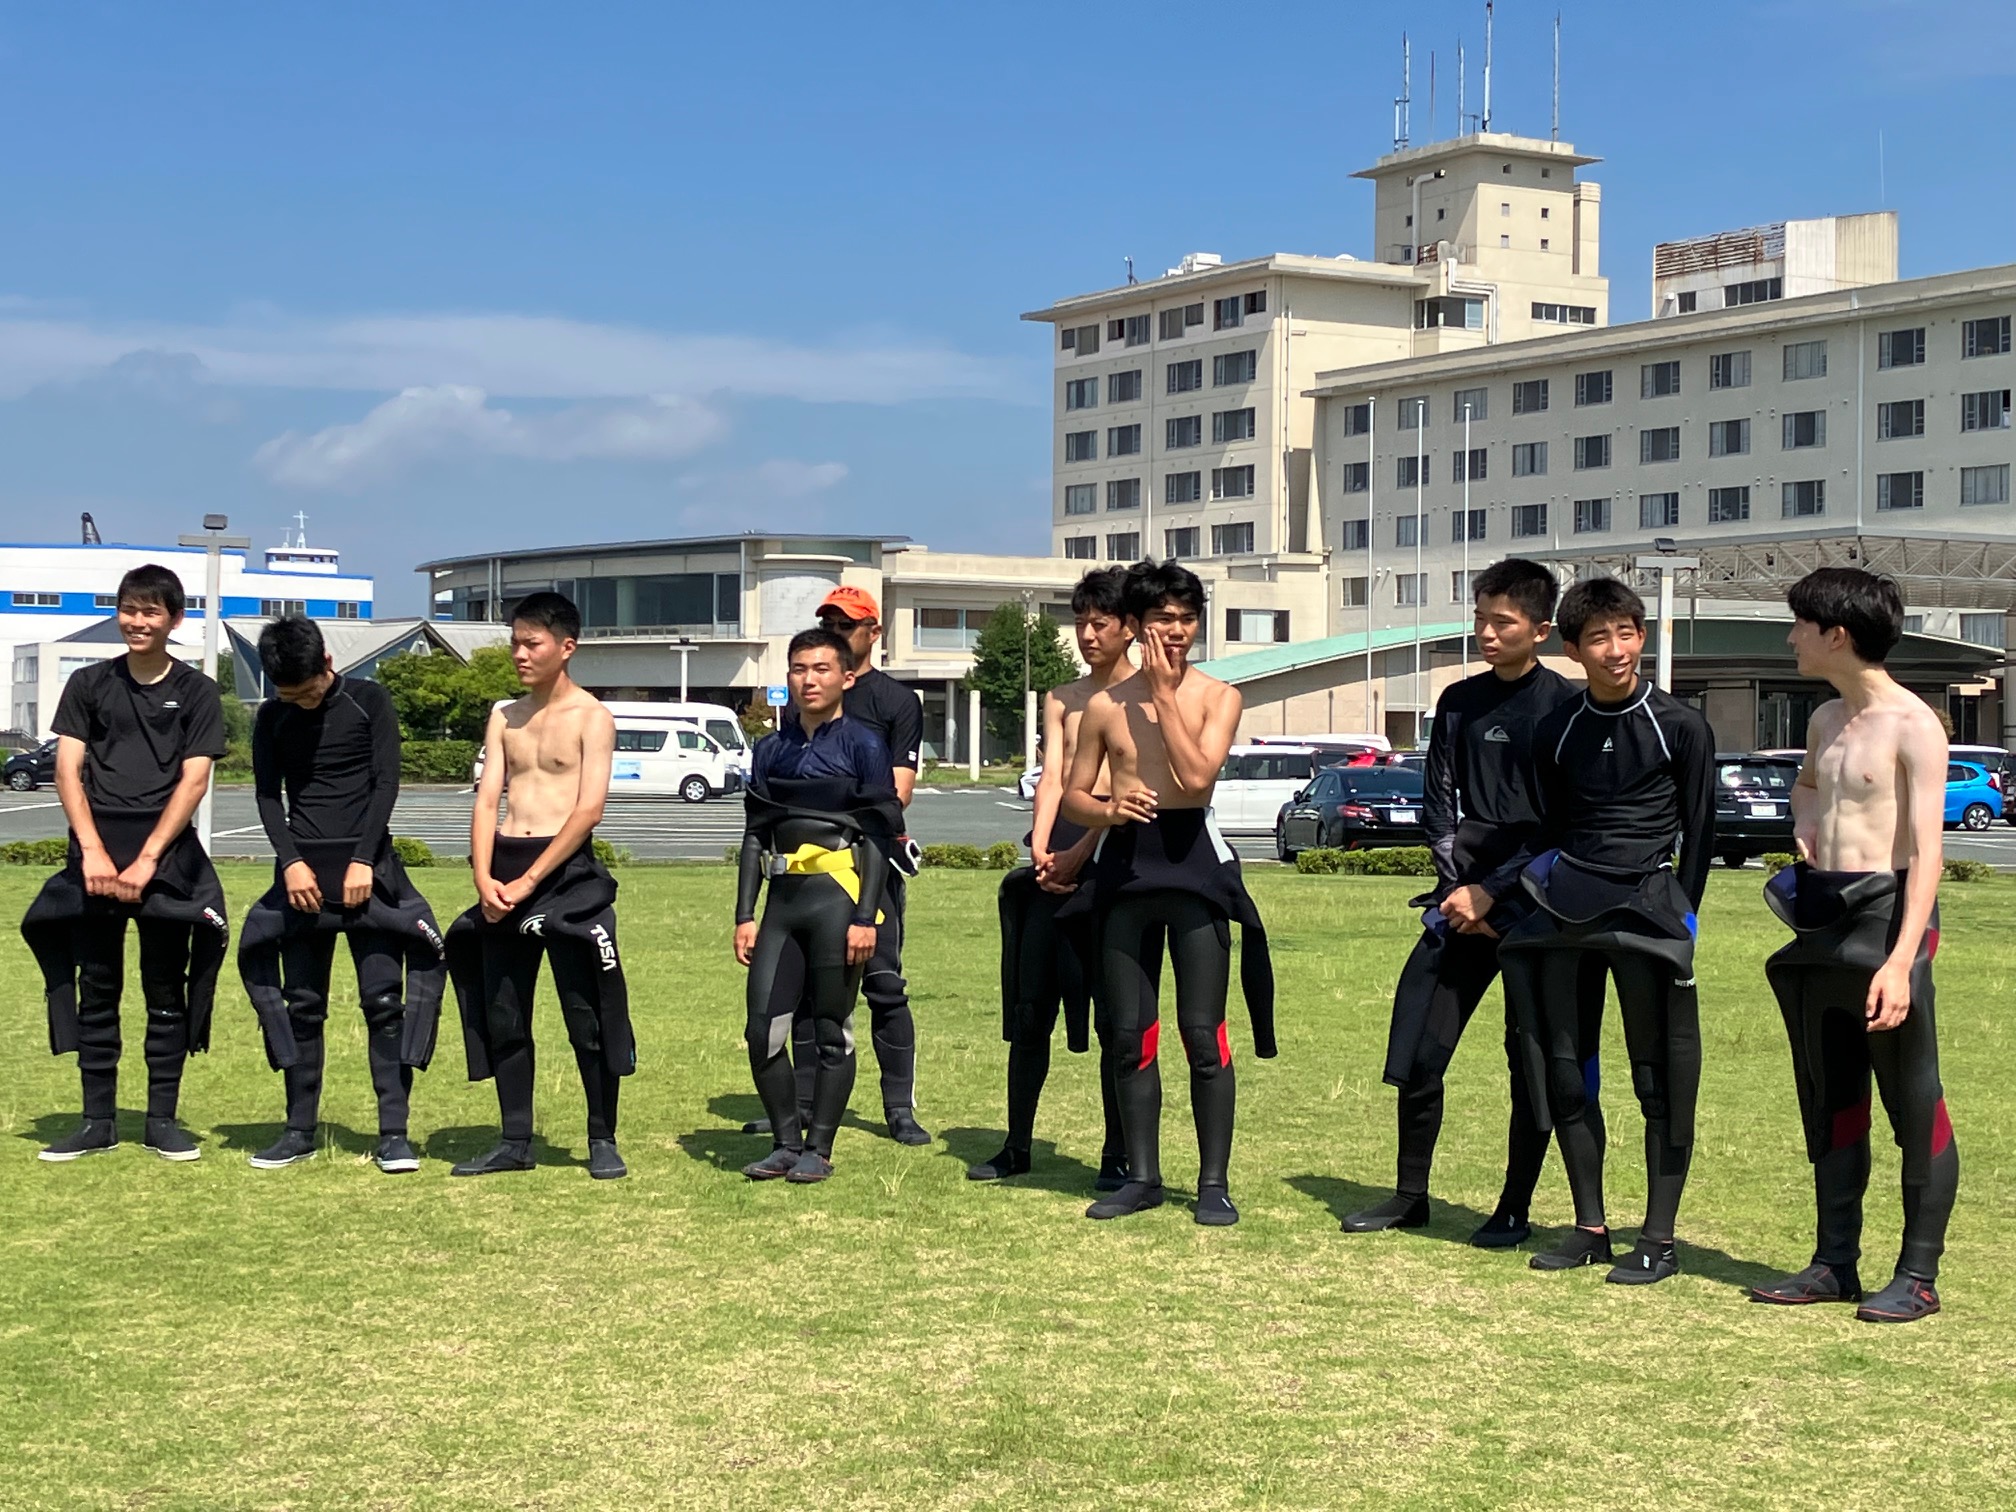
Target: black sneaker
{"x": 1650, "y": 1260}
{"x": 395, "y": 1155}
{"x": 291, "y": 1148}
{"x": 810, "y": 1166}
{"x": 1214, "y": 1207}
{"x": 1399, "y": 1211}
{"x": 604, "y": 1164}
{"x": 1580, "y": 1248}
{"x": 94, "y": 1136}
{"x": 166, "y": 1138}
{"x": 1010, "y": 1162}
{"x": 506, "y": 1155}
{"x": 904, "y": 1128}
{"x": 1819, "y": 1282}
{"x": 1134, "y": 1197}
{"x": 779, "y": 1162}
{"x": 1112, "y": 1173}
{"x": 1905, "y": 1300}
{"x": 1502, "y": 1230}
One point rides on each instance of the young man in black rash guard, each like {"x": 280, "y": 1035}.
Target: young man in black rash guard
{"x": 1481, "y": 812}
{"x": 1626, "y": 776}
{"x": 822, "y": 810}
{"x": 1040, "y": 965}
{"x": 325, "y": 765}
{"x": 541, "y": 893}
{"x": 136, "y": 737}
{"x": 1855, "y": 984}
{"x": 1161, "y": 868}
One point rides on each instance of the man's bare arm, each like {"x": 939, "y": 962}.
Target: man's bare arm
{"x": 1806, "y": 791}
{"x": 1049, "y": 786}
{"x": 1921, "y": 751}
{"x": 598, "y": 745}
{"x": 489, "y": 793}
{"x": 70, "y": 789}
{"x": 1078, "y": 804}
{"x": 1197, "y": 756}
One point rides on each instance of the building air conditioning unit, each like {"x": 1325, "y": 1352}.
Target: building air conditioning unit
{"x": 1194, "y": 262}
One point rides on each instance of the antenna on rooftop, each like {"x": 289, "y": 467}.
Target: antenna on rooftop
{"x": 1462, "y": 115}
{"x": 1485, "y": 123}
{"x": 91, "y": 536}
{"x": 1131, "y": 279}
{"x": 301, "y": 521}
{"x": 1405, "y": 99}
{"x": 1557, "y": 76}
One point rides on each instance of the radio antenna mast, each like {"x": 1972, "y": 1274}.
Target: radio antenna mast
{"x": 1485, "y": 124}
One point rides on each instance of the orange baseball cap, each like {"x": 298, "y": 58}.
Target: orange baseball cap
{"x": 855, "y": 603}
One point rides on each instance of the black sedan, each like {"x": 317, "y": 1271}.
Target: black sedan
{"x": 25, "y": 771}
{"x": 1352, "y": 808}
{"x": 1753, "y": 806}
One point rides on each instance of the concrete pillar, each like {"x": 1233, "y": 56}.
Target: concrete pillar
{"x": 951, "y": 752}
{"x": 974, "y": 730}
{"x": 2008, "y": 680}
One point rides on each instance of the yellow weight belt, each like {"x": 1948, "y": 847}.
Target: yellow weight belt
{"x": 817, "y": 860}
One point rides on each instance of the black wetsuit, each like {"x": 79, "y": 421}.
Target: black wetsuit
{"x": 1481, "y": 811}
{"x": 327, "y": 779}
{"x": 1846, "y": 924}
{"x": 136, "y": 737}
{"x": 821, "y": 813}
{"x": 1622, "y": 787}
{"x": 892, "y": 713}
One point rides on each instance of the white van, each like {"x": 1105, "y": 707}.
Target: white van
{"x": 1349, "y": 743}
{"x": 660, "y": 755}
{"x": 716, "y": 721}
{"x": 1255, "y": 781}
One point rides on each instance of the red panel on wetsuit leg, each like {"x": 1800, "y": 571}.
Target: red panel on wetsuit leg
{"x": 1931, "y": 943}
{"x": 1224, "y": 1047}
{"x": 1942, "y": 1129}
{"x": 1851, "y": 1126}
{"x": 1151, "y": 1041}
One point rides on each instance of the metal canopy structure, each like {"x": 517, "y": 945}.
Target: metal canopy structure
{"x": 1950, "y": 572}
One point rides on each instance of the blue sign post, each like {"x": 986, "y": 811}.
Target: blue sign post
{"x": 777, "y": 695}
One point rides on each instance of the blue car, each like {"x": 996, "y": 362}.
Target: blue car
{"x": 1973, "y": 795}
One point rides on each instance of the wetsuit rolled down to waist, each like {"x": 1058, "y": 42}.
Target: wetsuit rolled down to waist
{"x": 1845, "y": 924}
{"x": 570, "y": 920}
{"x": 819, "y": 844}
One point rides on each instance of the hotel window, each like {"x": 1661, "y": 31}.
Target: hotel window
{"x": 1805, "y": 428}
{"x": 1413, "y": 413}
{"x": 105, "y": 601}
{"x": 1182, "y": 431}
{"x": 1232, "y": 540}
{"x": 1658, "y": 511}
{"x": 1357, "y": 535}
{"x": 1591, "y": 451}
{"x": 1125, "y": 546}
{"x": 1687, "y": 303}
{"x": 1661, "y": 444}
{"x": 1563, "y": 314}
{"x": 1805, "y": 359}
{"x": 1658, "y": 380}
{"x": 1984, "y": 338}
{"x": 1123, "y": 440}
{"x": 1256, "y": 302}
{"x": 1123, "y": 493}
{"x": 1357, "y": 419}
{"x": 1529, "y": 520}
{"x": 1451, "y": 312}
{"x": 1904, "y": 490}
{"x": 1728, "y": 506}
{"x": 1479, "y": 458}
{"x": 1081, "y": 548}
{"x": 1181, "y": 542}
{"x": 1232, "y": 425}
{"x": 1985, "y": 485}
{"x": 1355, "y": 594}
{"x": 1729, "y": 370}
{"x": 1593, "y": 388}
{"x": 1985, "y": 411}
{"x": 1477, "y": 401}
{"x": 1134, "y": 330}
{"x": 1529, "y": 459}
{"x": 1592, "y": 516}
{"x": 278, "y": 608}
{"x": 1895, "y": 349}
{"x": 1900, "y": 418}
{"x": 1529, "y": 398}
{"x": 347, "y": 610}
{"x": 1357, "y": 477}
{"x": 1234, "y": 367}
{"x": 1186, "y": 377}
{"x": 1225, "y": 313}
{"x": 1756, "y": 291}
{"x": 1081, "y": 498}
{"x": 1081, "y": 446}
{"x": 1410, "y": 588}
{"x": 1232, "y": 482}
{"x": 1406, "y": 530}
{"x": 1182, "y": 488}
{"x": 1084, "y": 340}
{"x": 1983, "y": 629}
{"x": 1247, "y": 626}
{"x": 1173, "y": 323}
{"x": 1728, "y": 438}
{"x": 1411, "y": 472}
{"x": 1480, "y": 521}
{"x": 1123, "y": 388}
{"x": 41, "y": 601}
{"x": 1804, "y": 499}
{"x": 1081, "y": 393}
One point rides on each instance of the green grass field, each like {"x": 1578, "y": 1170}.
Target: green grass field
{"x": 211, "y": 1337}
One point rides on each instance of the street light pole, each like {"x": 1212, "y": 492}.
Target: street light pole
{"x": 214, "y": 543}
{"x": 1667, "y": 565}
{"x": 684, "y": 646}
{"x": 1028, "y": 687}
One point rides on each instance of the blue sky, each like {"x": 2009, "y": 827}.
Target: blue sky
{"x": 456, "y": 276}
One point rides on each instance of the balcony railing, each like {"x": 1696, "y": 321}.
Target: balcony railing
{"x": 661, "y": 632}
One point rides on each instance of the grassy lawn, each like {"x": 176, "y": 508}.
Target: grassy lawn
{"x": 211, "y": 1337}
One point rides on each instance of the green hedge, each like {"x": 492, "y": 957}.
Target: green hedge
{"x": 1777, "y": 861}
{"x": 437, "y": 760}
{"x": 44, "y": 853}
{"x": 1400, "y": 861}
{"x": 1958, "y": 870}
{"x": 612, "y": 855}
{"x": 412, "y": 852}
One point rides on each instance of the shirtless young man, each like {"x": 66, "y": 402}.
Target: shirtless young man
{"x": 1162, "y": 736}
{"x": 1040, "y": 969}
{"x": 539, "y": 890}
{"x": 1855, "y": 984}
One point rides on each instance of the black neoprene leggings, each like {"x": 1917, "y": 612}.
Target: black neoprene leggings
{"x": 1046, "y": 963}
{"x": 1200, "y": 957}
{"x": 892, "y": 1029}
{"x": 510, "y": 976}
{"x": 801, "y": 955}
{"x": 305, "y": 962}
{"x": 99, "y": 942}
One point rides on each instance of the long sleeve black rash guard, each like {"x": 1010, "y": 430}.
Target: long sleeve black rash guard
{"x": 338, "y": 765}
{"x": 1481, "y": 808}
{"x": 1622, "y": 786}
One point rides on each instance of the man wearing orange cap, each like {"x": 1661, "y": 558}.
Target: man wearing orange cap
{"x": 893, "y": 712}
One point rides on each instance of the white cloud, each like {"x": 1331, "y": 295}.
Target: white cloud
{"x": 447, "y": 422}
{"x": 783, "y": 479}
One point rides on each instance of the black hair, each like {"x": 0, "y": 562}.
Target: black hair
{"x": 550, "y": 611}
{"x": 1099, "y": 592}
{"x": 1598, "y": 598}
{"x": 1530, "y": 586}
{"x": 151, "y": 583}
{"x": 815, "y": 638}
{"x": 1150, "y": 584}
{"x": 291, "y": 651}
{"x": 1868, "y": 607}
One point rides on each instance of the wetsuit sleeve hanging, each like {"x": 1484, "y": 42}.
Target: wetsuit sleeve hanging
{"x": 1694, "y": 780}
{"x": 266, "y": 783}
{"x": 1438, "y": 798}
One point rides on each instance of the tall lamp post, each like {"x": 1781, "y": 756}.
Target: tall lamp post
{"x": 684, "y": 647}
{"x": 213, "y": 543}
{"x": 1668, "y": 566}
{"x": 1028, "y": 688}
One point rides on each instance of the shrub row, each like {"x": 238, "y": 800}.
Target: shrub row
{"x": 1399, "y": 861}
{"x": 1002, "y": 855}
{"x": 437, "y": 760}
{"x": 44, "y": 853}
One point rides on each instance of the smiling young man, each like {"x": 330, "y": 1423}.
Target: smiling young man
{"x": 1162, "y": 870}
{"x": 822, "y": 811}
{"x": 136, "y": 737}
{"x": 1482, "y": 814}
{"x": 1041, "y": 970}
{"x": 1626, "y": 778}
{"x": 541, "y": 892}
{"x": 325, "y": 766}
{"x": 1855, "y": 983}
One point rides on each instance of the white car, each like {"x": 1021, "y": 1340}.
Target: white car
{"x": 658, "y": 757}
{"x": 1256, "y": 781}
{"x": 1025, "y": 785}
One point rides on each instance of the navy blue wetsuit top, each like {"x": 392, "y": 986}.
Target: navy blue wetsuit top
{"x": 843, "y": 747}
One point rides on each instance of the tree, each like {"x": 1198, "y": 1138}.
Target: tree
{"x": 440, "y": 698}
{"x": 997, "y": 666}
